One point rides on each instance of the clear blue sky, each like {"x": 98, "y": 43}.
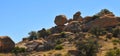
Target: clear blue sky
{"x": 18, "y": 17}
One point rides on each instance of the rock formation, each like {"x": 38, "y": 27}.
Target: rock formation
{"x": 37, "y": 45}
{"x": 74, "y": 26}
{"x": 6, "y": 44}
{"x": 60, "y": 20}
{"x": 77, "y": 16}
{"x": 105, "y": 21}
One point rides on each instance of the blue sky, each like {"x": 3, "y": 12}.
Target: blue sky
{"x": 18, "y": 17}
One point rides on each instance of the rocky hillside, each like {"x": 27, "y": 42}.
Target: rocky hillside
{"x": 97, "y": 35}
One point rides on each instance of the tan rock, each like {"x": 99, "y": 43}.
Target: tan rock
{"x": 6, "y": 44}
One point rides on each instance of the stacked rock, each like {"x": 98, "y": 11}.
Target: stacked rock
{"x": 60, "y": 21}
{"x": 77, "y": 16}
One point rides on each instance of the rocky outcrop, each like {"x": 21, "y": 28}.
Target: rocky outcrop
{"x": 77, "y": 16}
{"x": 74, "y": 26}
{"x": 60, "y": 20}
{"x": 87, "y": 19}
{"x": 36, "y": 45}
{"x": 57, "y": 29}
{"x": 6, "y": 44}
{"x": 105, "y": 21}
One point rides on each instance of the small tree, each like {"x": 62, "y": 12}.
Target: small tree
{"x": 32, "y": 35}
{"x": 103, "y": 12}
{"x": 43, "y": 33}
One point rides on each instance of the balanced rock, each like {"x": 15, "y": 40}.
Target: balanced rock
{"x": 77, "y": 16}
{"x": 60, "y": 20}
{"x": 6, "y": 44}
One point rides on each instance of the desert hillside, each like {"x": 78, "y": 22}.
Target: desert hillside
{"x": 97, "y": 35}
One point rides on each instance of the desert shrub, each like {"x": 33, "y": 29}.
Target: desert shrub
{"x": 115, "y": 42}
{"x": 95, "y": 17}
{"x": 32, "y": 35}
{"x": 88, "y": 47}
{"x": 58, "y": 47}
{"x": 96, "y": 30}
{"x": 113, "y": 52}
{"x": 116, "y": 32}
{"x": 18, "y": 50}
{"x": 103, "y": 12}
{"x": 63, "y": 35}
{"x": 43, "y": 33}
{"x": 58, "y": 42}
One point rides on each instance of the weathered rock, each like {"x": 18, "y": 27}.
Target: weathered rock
{"x": 105, "y": 21}
{"x": 77, "y": 17}
{"x": 57, "y": 29}
{"x": 87, "y": 19}
{"x": 35, "y": 45}
{"x": 60, "y": 20}
{"x": 74, "y": 26}
{"x": 6, "y": 44}
{"x": 109, "y": 35}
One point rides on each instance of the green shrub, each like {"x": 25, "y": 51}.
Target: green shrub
{"x": 87, "y": 47}
{"x": 58, "y": 42}
{"x": 115, "y": 42}
{"x": 63, "y": 34}
{"x": 96, "y": 30}
{"x": 43, "y": 33}
{"x": 113, "y": 52}
{"x": 103, "y": 12}
{"x": 18, "y": 50}
{"x": 32, "y": 35}
{"x": 116, "y": 32}
{"x": 58, "y": 47}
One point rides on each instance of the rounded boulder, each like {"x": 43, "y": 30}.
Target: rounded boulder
{"x": 60, "y": 20}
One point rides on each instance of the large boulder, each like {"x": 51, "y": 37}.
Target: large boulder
{"x": 77, "y": 16}
{"x": 6, "y": 44}
{"x": 60, "y": 20}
